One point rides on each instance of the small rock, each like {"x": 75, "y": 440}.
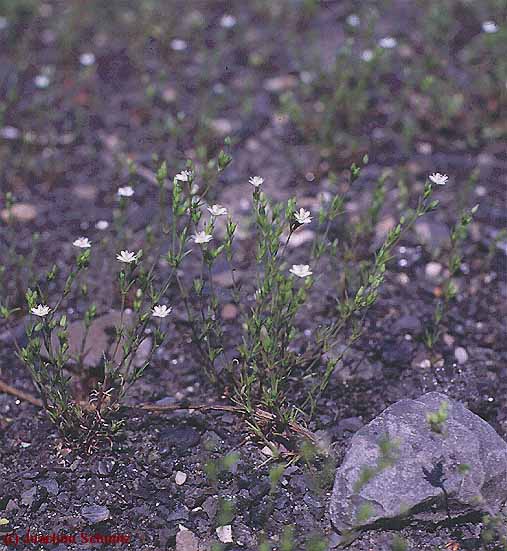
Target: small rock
{"x": 407, "y": 324}
{"x": 267, "y": 451}
{"x": 229, "y": 312}
{"x": 223, "y": 279}
{"x": 101, "y": 339}
{"x": 433, "y": 270}
{"x": 106, "y": 467}
{"x": 300, "y": 237}
{"x": 349, "y": 425}
{"x": 9, "y": 133}
{"x": 182, "y": 437}
{"x": 461, "y": 355}
{"x": 224, "y": 533}
{"x": 88, "y": 192}
{"x": 180, "y": 478}
{"x": 169, "y": 94}
{"x": 221, "y": 127}
{"x": 51, "y": 485}
{"x": 468, "y": 458}
{"x": 186, "y": 540}
{"x": 353, "y": 365}
{"x": 433, "y": 234}
{"x": 95, "y": 513}
{"x": 22, "y": 212}
{"x": 28, "y": 496}
{"x": 280, "y": 83}
{"x": 210, "y": 506}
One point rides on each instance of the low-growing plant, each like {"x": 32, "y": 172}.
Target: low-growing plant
{"x": 449, "y": 290}
{"x": 48, "y": 357}
{"x": 265, "y": 356}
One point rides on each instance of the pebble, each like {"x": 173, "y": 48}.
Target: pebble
{"x": 229, "y": 312}
{"x": 280, "y": 83}
{"x": 23, "y": 212}
{"x": 433, "y": 270}
{"x": 266, "y": 450}
{"x": 180, "y": 478}
{"x": 9, "y": 133}
{"x": 300, "y": 237}
{"x": 224, "y": 533}
{"x": 186, "y": 540}
{"x": 88, "y": 192}
{"x": 95, "y": 513}
{"x": 461, "y": 355}
{"x": 221, "y": 127}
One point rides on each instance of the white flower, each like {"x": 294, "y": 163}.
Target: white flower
{"x": 256, "y": 181}
{"x": 489, "y": 27}
{"x": 41, "y": 310}
{"x": 439, "y": 179}
{"x": 178, "y": 45}
{"x": 42, "y": 81}
{"x": 303, "y": 216}
{"x": 82, "y": 243}
{"x": 184, "y": 176}
{"x": 301, "y": 270}
{"x": 353, "y": 20}
{"x": 161, "y": 311}
{"x": 217, "y": 210}
{"x": 87, "y": 59}
{"x": 367, "y": 55}
{"x": 102, "y": 225}
{"x": 388, "y": 42}
{"x": 126, "y": 191}
{"x": 202, "y": 237}
{"x": 126, "y": 257}
{"x": 228, "y": 21}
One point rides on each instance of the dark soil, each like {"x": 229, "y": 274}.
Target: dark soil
{"x": 142, "y": 97}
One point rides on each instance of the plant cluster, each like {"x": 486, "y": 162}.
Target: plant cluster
{"x": 266, "y": 356}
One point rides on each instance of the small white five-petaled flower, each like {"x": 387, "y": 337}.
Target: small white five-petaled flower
{"x": 489, "y": 27}
{"x": 388, "y": 42}
{"x": 217, "y": 210}
{"x": 439, "y": 179}
{"x": 301, "y": 270}
{"x": 184, "y": 176}
{"x": 126, "y": 257}
{"x": 161, "y": 311}
{"x": 256, "y": 181}
{"x": 82, "y": 243}
{"x": 202, "y": 237}
{"x": 126, "y": 191}
{"x": 41, "y": 310}
{"x": 303, "y": 216}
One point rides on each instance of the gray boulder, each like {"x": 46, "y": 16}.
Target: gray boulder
{"x": 397, "y": 466}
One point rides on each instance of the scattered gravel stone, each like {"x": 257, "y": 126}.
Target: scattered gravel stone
{"x": 434, "y": 235}
{"x": 22, "y": 212}
{"x": 433, "y": 270}
{"x": 28, "y": 497}
{"x": 224, "y": 533}
{"x": 461, "y": 355}
{"x": 183, "y": 438}
{"x": 101, "y": 338}
{"x": 180, "y": 478}
{"x": 468, "y": 458}
{"x": 51, "y": 485}
{"x": 280, "y": 83}
{"x": 186, "y": 540}
{"x": 229, "y": 312}
{"x": 407, "y": 324}
{"x": 95, "y": 513}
